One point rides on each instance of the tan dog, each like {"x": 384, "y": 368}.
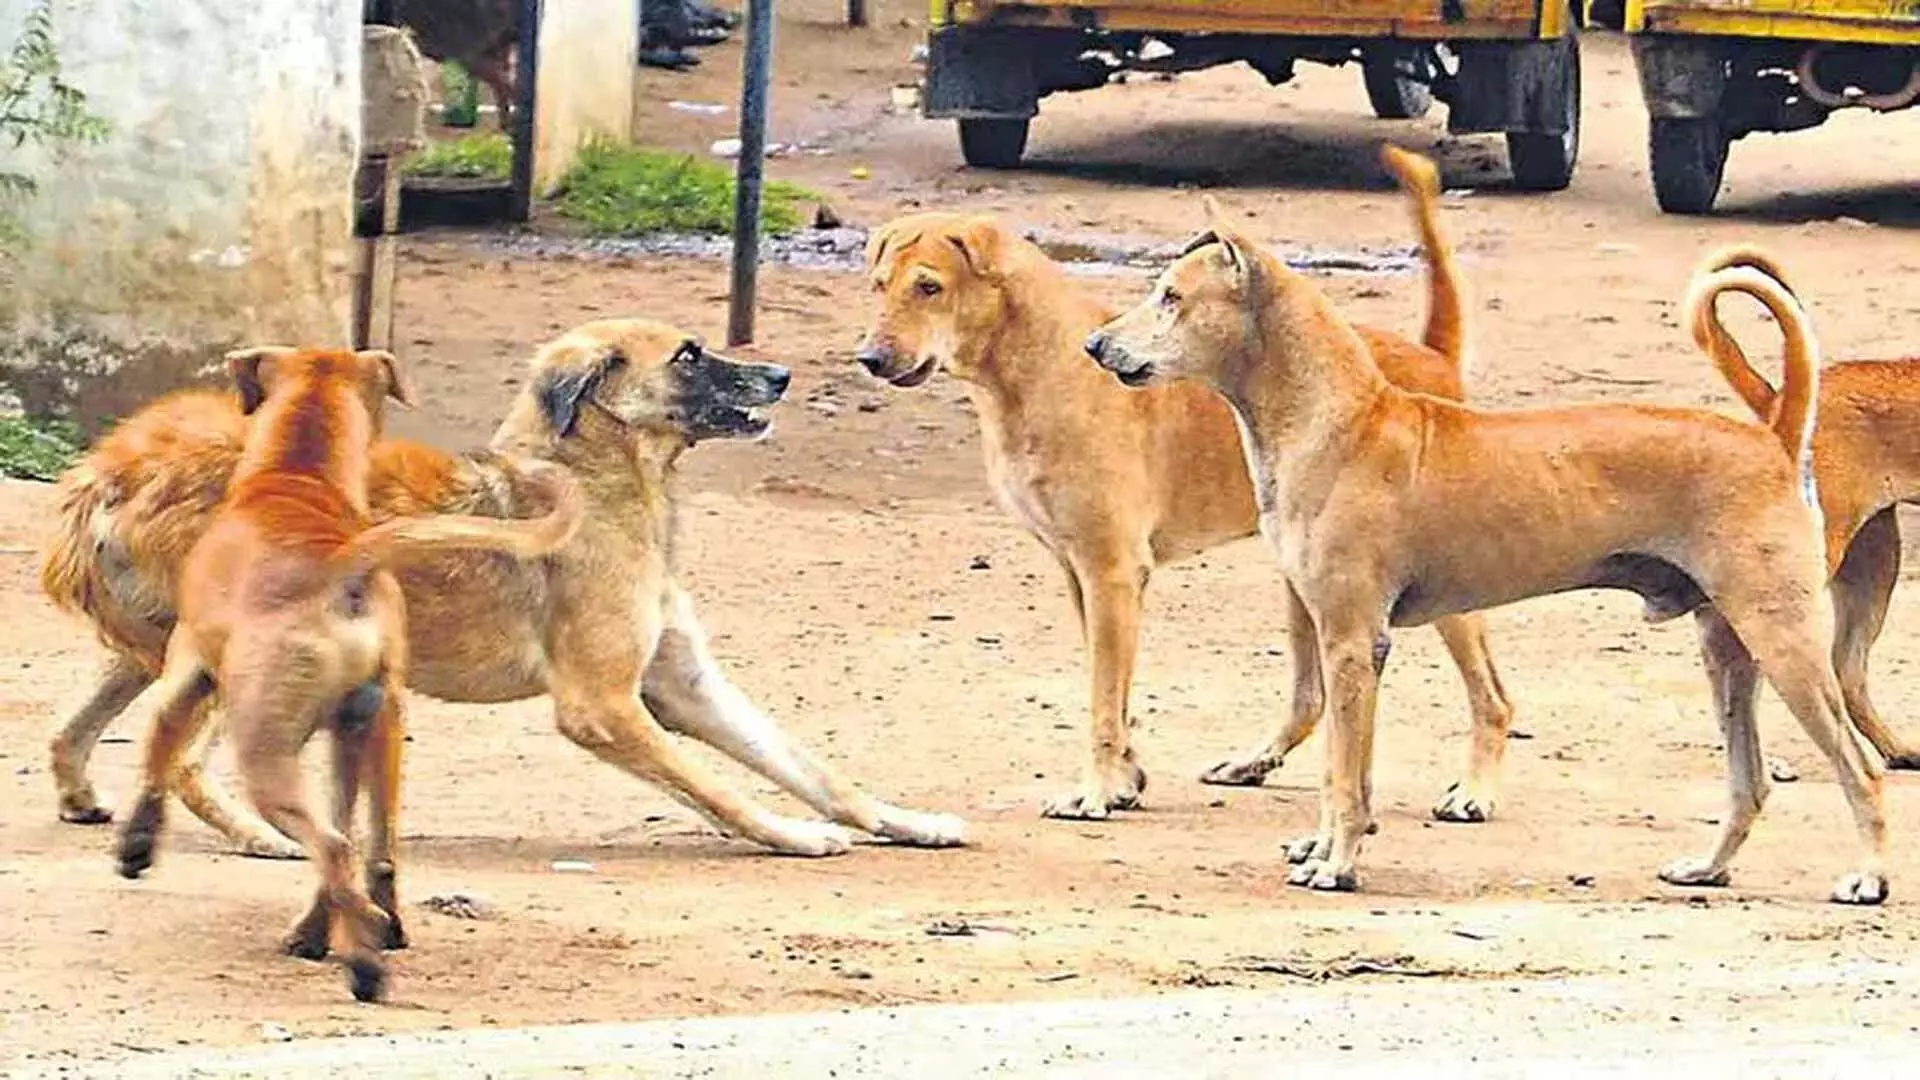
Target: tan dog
{"x": 287, "y": 610}
{"x": 1866, "y": 461}
{"x": 602, "y": 626}
{"x": 1116, "y": 484}
{"x": 1388, "y": 508}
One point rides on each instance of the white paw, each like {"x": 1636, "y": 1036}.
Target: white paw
{"x": 812, "y": 839}
{"x": 1321, "y": 875}
{"x": 916, "y": 829}
{"x": 269, "y": 846}
{"x": 1464, "y": 804}
{"x": 1309, "y": 848}
{"x": 1696, "y": 872}
{"x": 1865, "y": 888}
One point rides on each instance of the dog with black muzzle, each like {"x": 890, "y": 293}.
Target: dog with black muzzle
{"x": 602, "y": 625}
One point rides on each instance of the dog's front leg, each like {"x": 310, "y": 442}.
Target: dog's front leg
{"x": 1309, "y": 700}
{"x": 1862, "y": 588}
{"x": 1351, "y": 656}
{"x": 1111, "y": 592}
{"x": 686, "y": 690}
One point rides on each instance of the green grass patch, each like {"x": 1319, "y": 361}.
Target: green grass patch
{"x": 37, "y": 449}
{"x": 615, "y": 190}
{"x": 470, "y": 157}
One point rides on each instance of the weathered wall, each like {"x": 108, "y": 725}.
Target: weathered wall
{"x": 587, "y": 50}
{"x": 218, "y": 211}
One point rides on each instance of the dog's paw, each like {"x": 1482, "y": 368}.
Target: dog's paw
{"x": 1322, "y": 876}
{"x": 1904, "y": 762}
{"x": 1310, "y": 848}
{"x": 810, "y": 839}
{"x": 83, "y": 807}
{"x": 1465, "y": 804}
{"x": 1695, "y": 872}
{"x": 268, "y": 845}
{"x": 1865, "y": 888}
{"x": 915, "y": 829}
{"x": 1117, "y": 787}
{"x": 1245, "y": 772}
{"x": 367, "y": 978}
{"x": 308, "y": 940}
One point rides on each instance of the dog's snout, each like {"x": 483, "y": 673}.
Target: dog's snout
{"x": 778, "y": 379}
{"x": 1097, "y": 345}
{"x": 872, "y": 357}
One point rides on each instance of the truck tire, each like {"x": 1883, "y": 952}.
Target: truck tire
{"x": 1392, "y": 94}
{"x": 1688, "y": 157}
{"x": 993, "y": 142}
{"x": 1542, "y": 162}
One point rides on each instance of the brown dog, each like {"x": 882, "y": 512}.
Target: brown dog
{"x": 1866, "y": 461}
{"x": 1117, "y": 483}
{"x": 1388, "y": 508}
{"x": 287, "y": 611}
{"x": 602, "y": 626}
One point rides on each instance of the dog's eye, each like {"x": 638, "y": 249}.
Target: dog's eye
{"x": 928, "y": 287}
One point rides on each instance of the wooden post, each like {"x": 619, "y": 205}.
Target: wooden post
{"x": 856, "y": 12}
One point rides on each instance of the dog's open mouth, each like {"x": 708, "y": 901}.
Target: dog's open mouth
{"x": 719, "y": 421}
{"x": 1138, "y": 377}
{"x": 907, "y": 380}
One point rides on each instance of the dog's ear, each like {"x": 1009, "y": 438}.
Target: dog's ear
{"x": 981, "y": 241}
{"x": 1232, "y": 248}
{"x": 881, "y": 242}
{"x": 386, "y": 368}
{"x": 571, "y": 373}
{"x": 251, "y": 369}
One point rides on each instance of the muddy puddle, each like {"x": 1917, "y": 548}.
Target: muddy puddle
{"x": 843, "y": 250}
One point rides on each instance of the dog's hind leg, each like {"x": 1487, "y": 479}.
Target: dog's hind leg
{"x": 122, "y": 679}
{"x": 380, "y": 768}
{"x": 209, "y": 800}
{"x": 689, "y": 694}
{"x": 1862, "y": 589}
{"x": 1112, "y": 590}
{"x": 1792, "y": 645}
{"x": 1735, "y": 681}
{"x": 1309, "y": 701}
{"x": 1472, "y": 799}
{"x": 185, "y": 686}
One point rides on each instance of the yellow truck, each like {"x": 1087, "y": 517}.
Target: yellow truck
{"x": 1508, "y": 66}
{"x": 1713, "y": 71}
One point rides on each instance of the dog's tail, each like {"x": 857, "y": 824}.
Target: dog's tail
{"x": 1446, "y": 331}
{"x": 1790, "y": 410}
{"x": 1750, "y": 385}
{"x": 527, "y": 538}
{"x": 67, "y": 563}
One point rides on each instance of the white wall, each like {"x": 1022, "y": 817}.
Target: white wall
{"x": 587, "y": 50}
{"x": 217, "y": 212}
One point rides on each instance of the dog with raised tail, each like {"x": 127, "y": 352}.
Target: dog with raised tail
{"x": 289, "y": 612}
{"x": 1389, "y": 509}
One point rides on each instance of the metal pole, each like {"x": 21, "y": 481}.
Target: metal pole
{"x": 526, "y": 94}
{"x": 749, "y": 170}
{"x": 856, "y": 12}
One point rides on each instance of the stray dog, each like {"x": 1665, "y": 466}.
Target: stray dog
{"x": 1388, "y": 508}
{"x": 1116, "y": 484}
{"x": 287, "y": 611}
{"x": 1866, "y": 461}
{"x": 602, "y": 625}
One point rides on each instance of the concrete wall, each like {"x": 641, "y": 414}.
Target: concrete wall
{"x": 587, "y": 50}
{"x": 216, "y": 213}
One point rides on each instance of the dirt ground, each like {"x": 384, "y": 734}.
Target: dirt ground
{"x": 836, "y": 567}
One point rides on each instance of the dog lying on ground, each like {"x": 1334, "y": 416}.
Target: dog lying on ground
{"x": 1115, "y": 483}
{"x": 602, "y": 626}
{"x": 1388, "y": 508}
{"x": 287, "y": 610}
{"x": 1866, "y": 461}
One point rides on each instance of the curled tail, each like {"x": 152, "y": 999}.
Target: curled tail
{"x": 523, "y": 539}
{"x": 1790, "y": 410}
{"x": 1726, "y": 353}
{"x": 1446, "y": 331}
{"x": 67, "y": 564}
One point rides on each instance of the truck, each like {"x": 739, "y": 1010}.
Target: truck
{"x": 1715, "y": 71}
{"x": 1500, "y": 66}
